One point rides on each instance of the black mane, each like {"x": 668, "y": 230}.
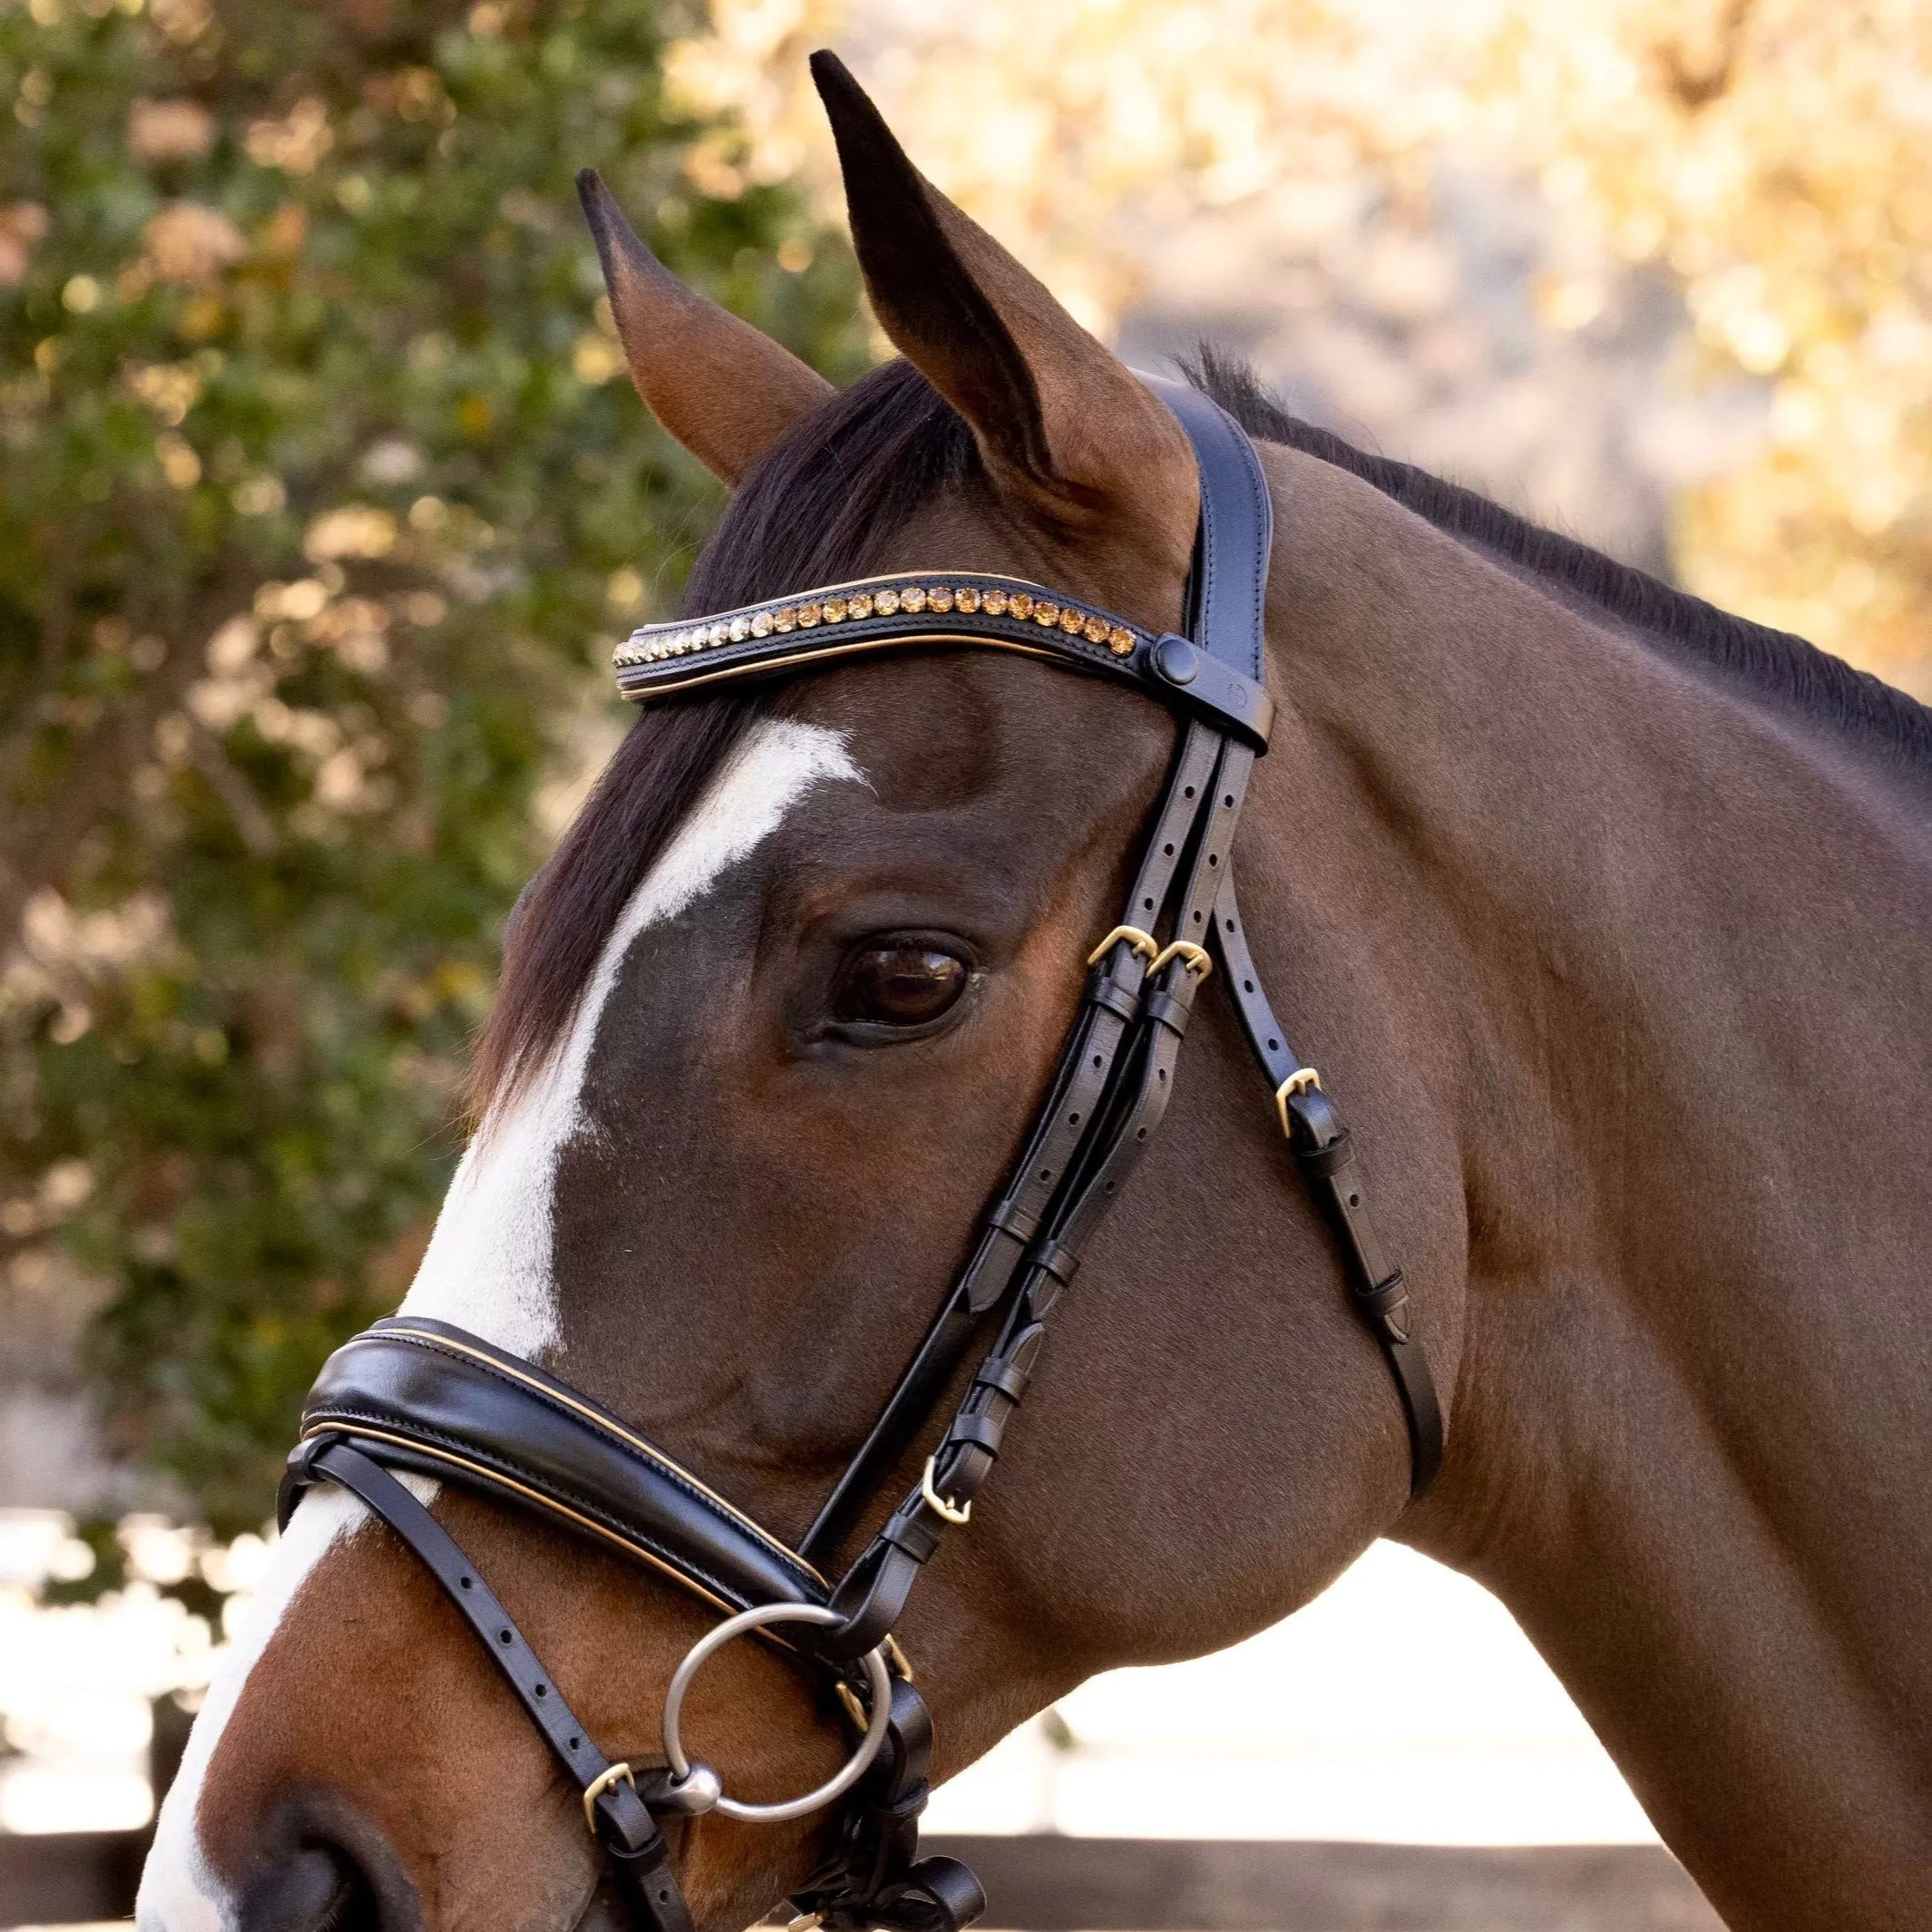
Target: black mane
{"x": 1791, "y": 675}
{"x": 825, "y": 503}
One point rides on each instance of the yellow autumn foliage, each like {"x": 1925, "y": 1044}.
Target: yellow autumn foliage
{"x": 1776, "y": 154}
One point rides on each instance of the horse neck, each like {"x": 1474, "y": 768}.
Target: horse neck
{"x": 1652, "y": 958}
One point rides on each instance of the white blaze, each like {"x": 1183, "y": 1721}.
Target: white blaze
{"x": 488, "y": 1267}
{"x": 178, "y": 1891}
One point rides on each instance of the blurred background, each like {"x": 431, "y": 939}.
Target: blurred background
{"x": 323, "y": 500}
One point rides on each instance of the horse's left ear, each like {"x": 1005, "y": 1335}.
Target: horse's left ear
{"x": 1062, "y": 425}
{"x": 725, "y": 390}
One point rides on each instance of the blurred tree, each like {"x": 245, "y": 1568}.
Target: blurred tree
{"x": 1774, "y": 154}
{"x": 322, "y": 500}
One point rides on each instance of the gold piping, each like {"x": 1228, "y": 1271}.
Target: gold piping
{"x": 605, "y": 1423}
{"x": 743, "y": 669}
{"x": 497, "y": 1480}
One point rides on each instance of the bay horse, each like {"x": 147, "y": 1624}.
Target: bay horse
{"x": 1607, "y": 913}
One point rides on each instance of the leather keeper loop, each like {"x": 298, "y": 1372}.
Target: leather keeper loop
{"x": 981, "y": 1432}
{"x": 1118, "y": 1000}
{"x": 1319, "y": 1162}
{"x": 1060, "y": 1261}
{"x": 1008, "y": 1377}
{"x": 1011, "y": 1218}
{"x": 916, "y": 1535}
{"x": 1384, "y": 1298}
{"x": 1164, "y": 1010}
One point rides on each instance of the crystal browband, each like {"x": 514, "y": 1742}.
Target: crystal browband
{"x": 930, "y": 608}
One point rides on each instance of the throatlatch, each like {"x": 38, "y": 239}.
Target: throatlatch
{"x": 423, "y": 1397}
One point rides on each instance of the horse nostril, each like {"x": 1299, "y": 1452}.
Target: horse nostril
{"x": 316, "y": 1888}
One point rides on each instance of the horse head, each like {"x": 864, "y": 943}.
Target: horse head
{"x": 813, "y": 977}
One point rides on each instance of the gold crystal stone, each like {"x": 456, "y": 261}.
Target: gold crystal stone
{"x": 761, "y": 625}
{"x": 1071, "y": 620}
{"x": 783, "y": 618}
{"x": 1046, "y": 615}
{"x": 1120, "y": 640}
{"x": 886, "y": 602}
{"x": 1095, "y": 630}
{"x": 940, "y": 599}
{"x": 808, "y": 616}
{"x": 861, "y": 605}
{"x": 994, "y": 603}
{"x": 966, "y": 598}
{"x": 832, "y": 611}
{"x": 1021, "y": 603}
{"x": 912, "y": 598}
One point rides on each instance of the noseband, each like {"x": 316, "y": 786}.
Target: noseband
{"x": 421, "y": 1397}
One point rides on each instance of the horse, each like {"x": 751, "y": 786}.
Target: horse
{"x": 1605, "y": 911}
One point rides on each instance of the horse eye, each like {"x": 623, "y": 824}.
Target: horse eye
{"x": 902, "y": 985}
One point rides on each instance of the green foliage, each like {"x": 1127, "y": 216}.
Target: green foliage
{"x": 322, "y": 500}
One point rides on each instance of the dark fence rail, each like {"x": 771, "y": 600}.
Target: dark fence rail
{"x": 1125, "y": 1885}
{"x": 1216, "y": 1885}
{"x": 67, "y": 1877}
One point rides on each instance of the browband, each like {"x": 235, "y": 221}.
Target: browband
{"x": 1217, "y": 675}
{"x": 911, "y": 608}
{"x": 426, "y": 1396}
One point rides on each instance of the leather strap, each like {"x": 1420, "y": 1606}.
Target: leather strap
{"x": 1229, "y": 586}
{"x": 639, "y": 1859}
{"x": 427, "y": 1395}
{"x": 1329, "y": 1164}
{"x": 872, "y": 1875}
{"x": 1011, "y": 1226}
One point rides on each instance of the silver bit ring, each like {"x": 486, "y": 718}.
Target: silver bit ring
{"x": 690, "y": 1782}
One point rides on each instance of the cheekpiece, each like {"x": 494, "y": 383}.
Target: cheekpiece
{"x": 932, "y": 609}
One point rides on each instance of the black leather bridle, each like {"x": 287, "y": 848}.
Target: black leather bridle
{"x": 416, "y": 1395}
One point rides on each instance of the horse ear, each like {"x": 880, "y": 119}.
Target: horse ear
{"x": 725, "y": 390}
{"x": 1062, "y": 422}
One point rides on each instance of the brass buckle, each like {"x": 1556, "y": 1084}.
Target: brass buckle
{"x": 1195, "y": 957}
{"x": 1298, "y": 1082}
{"x": 612, "y": 1775}
{"x": 1144, "y": 943}
{"x": 953, "y": 1512}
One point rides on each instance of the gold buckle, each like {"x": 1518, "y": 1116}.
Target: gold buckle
{"x": 953, "y": 1512}
{"x": 1195, "y": 957}
{"x": 1297, "y": 1082}
{"x": 1142, "y": 942}
{"x": 599, "y": 1785}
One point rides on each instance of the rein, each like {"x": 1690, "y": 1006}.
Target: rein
{"x": 423, "y": 1397}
